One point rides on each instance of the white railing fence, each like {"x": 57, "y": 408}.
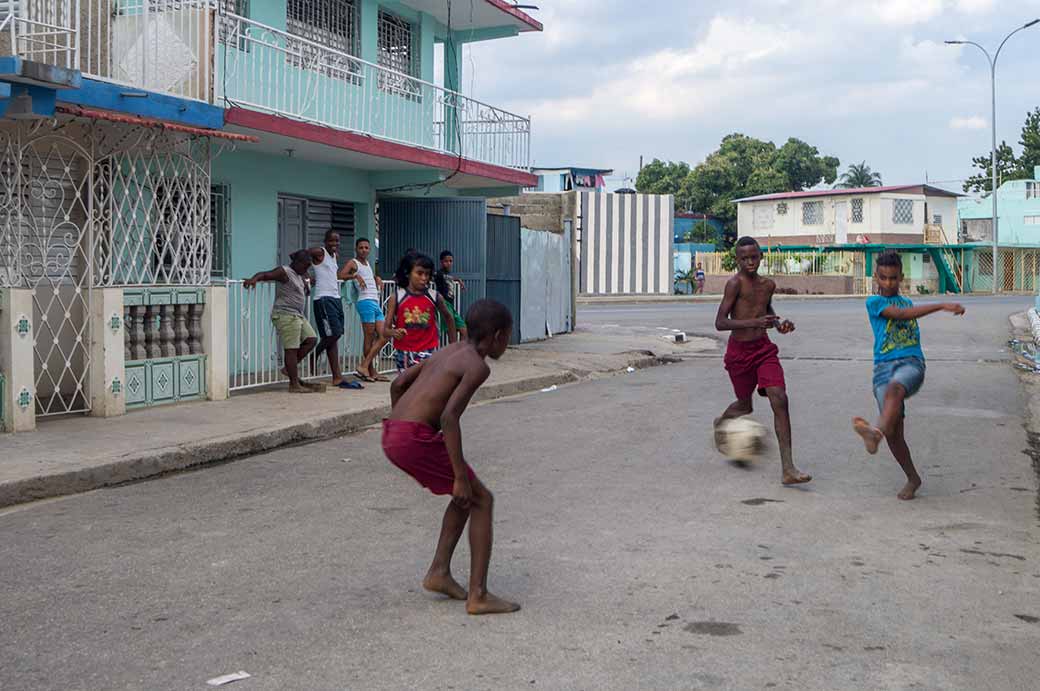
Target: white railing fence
{"x": 267, "y": 69}
{"x": 42, "y": 31}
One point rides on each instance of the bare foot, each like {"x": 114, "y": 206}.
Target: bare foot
{"x": 336, "y": 382}
{"x": 490, "y": 604}
{"x": 795, "y": 477}
{"x": 910, "y": 489}
{"x": 871, "y": 435}
{"x": 316, "y": 388}
{"x": 445, "y": 585}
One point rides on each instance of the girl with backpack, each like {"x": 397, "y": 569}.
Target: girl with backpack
{"x": 411, "y": 312}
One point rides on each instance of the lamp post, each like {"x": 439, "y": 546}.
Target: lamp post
{"x": 993, "y": 122}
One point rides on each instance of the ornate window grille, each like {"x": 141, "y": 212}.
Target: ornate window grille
{"x": 812, "y": 213}
{"x": 903, "y": 211}
{"x": 332, "y": 24}
{"x": 857, "y": 211}
{"x": 781, "y": 209}
{"x": 398, "y": 52}
{"x": 220, "y": 226}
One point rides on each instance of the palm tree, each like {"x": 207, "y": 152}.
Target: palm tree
{"x": 859, "y": 175}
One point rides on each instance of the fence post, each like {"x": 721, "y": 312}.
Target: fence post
{"x": 17, "y": 360}
{"x": 215, "y": 342}
{"x": 107, "y": 354}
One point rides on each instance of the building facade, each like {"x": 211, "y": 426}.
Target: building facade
{"x": 897, "y": 215}
{"x": 1018, "y": 208}
{"x": 570, "y": 178}
{"x": 158, "y": 151}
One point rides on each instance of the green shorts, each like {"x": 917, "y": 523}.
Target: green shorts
{"x": 460, "y": 323}
{"x": 292, "y": 329}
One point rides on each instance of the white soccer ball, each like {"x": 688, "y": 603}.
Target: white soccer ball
{"x": 742, "y": 439}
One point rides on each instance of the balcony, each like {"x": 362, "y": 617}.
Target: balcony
{"x": 192, "y": 49}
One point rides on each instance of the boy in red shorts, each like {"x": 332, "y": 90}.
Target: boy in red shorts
{"x": 422, "y": 437}
{"x": 751, "y": 358}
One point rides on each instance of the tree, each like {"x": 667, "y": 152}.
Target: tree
{"x": 1009, "y": 166}
{"x": 701, "y": 232}
{"x": 659, "y": 177}
{"x": 859, "y": 175}
{"x": 803, "y": 166}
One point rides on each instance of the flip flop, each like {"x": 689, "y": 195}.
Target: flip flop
{"x": 350, "y": 385}
{"x": 379, "y": 377}
{"x": 364, "y": 377}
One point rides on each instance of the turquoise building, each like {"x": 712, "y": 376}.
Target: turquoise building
{"x": 1018, "y": 209}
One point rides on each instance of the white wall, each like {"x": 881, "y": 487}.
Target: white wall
{"x": 761, "y": 219}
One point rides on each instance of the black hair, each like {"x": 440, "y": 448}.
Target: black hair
{"x": 300, "y": 256}
{"x": 446, "y": 253}
{"x": 360, "y": 240}
{"x": 891, "y": 259}
{"x": 329, "y": 232}
{"x": 748, "y": 241}
{"x": 485, "y": 318}
{"x": 408, "y": 262}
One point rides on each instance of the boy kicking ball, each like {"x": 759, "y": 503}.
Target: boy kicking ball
{"x": 422, "y": 437}
{"x": 898, "y": 363}
{"x": 752, "y": 359}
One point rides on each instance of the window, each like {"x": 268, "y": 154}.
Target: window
{"x": 781, "y": 209}
{"x": 397, "y": 52}
{"x": 1033, "y": 190}
{"x": 937, "y": 219}
{"x": 812, "y": 213}
{"x": 857, "y": 211}
{"x": 903, "y": 211}
{"x": 331, "y": 23}
{"x": 220, "y": 231}
{"x": 1032, "y": 220}
{"x": 763, "y": 217}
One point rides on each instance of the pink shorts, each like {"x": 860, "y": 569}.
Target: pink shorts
{"x": 753, "y": 364}
{"x": 419, "y": 450}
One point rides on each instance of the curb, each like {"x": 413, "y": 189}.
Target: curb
{"x": 158, "y": 462}
{"x": 683, "y": 299}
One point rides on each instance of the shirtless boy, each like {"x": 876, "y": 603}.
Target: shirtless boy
{"x": 751, "y": 358}
{"x": 422, "y": 437}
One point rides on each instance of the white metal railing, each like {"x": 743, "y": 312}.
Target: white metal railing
{"x": 267, "y": 69}
{"x": 42, "y": 31}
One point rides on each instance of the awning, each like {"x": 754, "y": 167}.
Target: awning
{"x": 152, "y": 122}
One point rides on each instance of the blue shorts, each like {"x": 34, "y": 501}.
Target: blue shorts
{"x": 370, "y": 311}
{"x": 908, "y": 371}
{"x": 328, "y": 315}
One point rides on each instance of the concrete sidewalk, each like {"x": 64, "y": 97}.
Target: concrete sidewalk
{"x": 710, "y": 297}
{"x": 82, "y": 453}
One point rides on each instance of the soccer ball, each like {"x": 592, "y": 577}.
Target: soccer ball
{"x": 741, "y": 439}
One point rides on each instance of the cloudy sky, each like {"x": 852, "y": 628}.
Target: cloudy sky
{"x": 609, "y": 80}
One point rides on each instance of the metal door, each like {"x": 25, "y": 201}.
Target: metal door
{"x": 503, "y": 265}
{"x": 291, "y": 227}
{"x": 841, "y": 222}
{"x": 431, "y": 226}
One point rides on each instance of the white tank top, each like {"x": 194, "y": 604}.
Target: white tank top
{"x": 370, "y": 291}
{"x": 325, "y": 283}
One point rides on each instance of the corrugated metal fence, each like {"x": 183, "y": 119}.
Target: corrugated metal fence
{"x": 626, "y": 243}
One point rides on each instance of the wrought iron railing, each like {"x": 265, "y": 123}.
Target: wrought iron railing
{"x": 42, "y": 31}
{"x": 266, "y": 69}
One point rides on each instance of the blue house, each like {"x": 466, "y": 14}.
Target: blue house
{"x": 168, "y": 149}
{"x": 1018, "y": 209}
{"x": 684, "y": 222}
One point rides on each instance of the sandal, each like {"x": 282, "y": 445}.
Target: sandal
{"x": 350, "y": 385}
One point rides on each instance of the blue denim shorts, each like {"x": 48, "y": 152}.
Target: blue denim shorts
{"x": 908, "y": 371}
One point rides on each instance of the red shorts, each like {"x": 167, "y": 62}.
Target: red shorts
{"x": 753, "y": 364}
{"x": 419, "y": 450}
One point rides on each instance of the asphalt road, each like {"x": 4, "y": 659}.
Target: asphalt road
{"x": 642, "y": 559}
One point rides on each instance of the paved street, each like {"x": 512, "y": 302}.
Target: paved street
{"x": 642, "y": 559}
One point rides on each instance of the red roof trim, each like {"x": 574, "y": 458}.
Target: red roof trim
{"x": 921, "y": 189}
{"x": 351, "y": 141}
{"x": 519, "y": 14}
{"x": 151, "y": 122}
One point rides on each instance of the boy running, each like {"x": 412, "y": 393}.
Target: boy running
{"x": 751, "y": 358}
{"x": 411, "y": 313}
{"x": 898, "y": 363}
{"x": 289, "y": 316}
{"x": 370, "y": 290}
{"x": 422, "y": 437}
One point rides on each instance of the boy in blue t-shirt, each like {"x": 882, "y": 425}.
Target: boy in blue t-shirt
{"x": 898, "y": 363}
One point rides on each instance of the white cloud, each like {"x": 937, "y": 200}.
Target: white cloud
{"x": 908, "y": 11}
{"x": 972, "y": 122}
{"x": 975, "y": 6}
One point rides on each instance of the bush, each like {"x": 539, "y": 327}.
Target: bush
{"x": 729, "y": 260}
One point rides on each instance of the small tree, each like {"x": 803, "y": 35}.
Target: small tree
{"x": 702, "y": 232}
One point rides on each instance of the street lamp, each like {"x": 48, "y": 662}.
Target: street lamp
{"x": 993, "y": 122}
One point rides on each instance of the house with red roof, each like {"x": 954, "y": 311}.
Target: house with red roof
{"x": 900, "y": 214}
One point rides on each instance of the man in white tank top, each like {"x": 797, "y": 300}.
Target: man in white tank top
{"x": 328, "y": 306}
{"x": 370, "y": 294}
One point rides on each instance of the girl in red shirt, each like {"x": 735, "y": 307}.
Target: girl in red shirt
{"x": 411, "y": 319}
